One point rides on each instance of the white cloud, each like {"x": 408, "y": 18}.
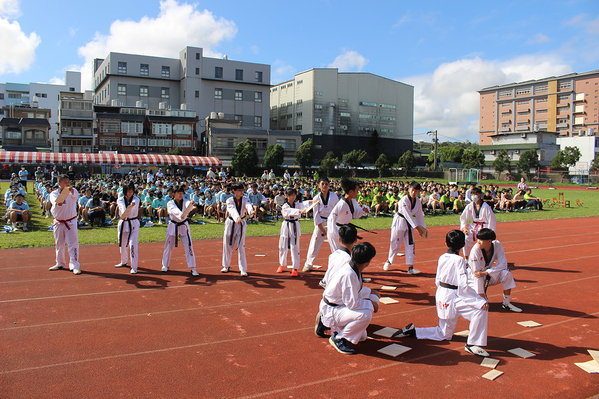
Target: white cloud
{"x": 349, "y": 61}
{"x": 56, "y": 81}
{"x": 255, "y": 49}
{"x": 403, "y": 20}
{"x": 447, "y": 100}
{"x": 72, "y": 31}
{"x": 176, "y": 26}
{"x": 538, "y": 38}
{"x": 18, "y": 48}
{"x": 282, "y": 71}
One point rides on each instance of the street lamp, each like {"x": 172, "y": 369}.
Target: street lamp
{"x": 434, "y": 134}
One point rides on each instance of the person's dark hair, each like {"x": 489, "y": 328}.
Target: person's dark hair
{"x": 416, "y": 186}
{"x": 348, "y": 185}
{"x": 455, "y": 240}
{"x": 291, "y": 191}
{"x": 179, "y": 189}
{"x": 325, "y": 179}
{"x": 486, "y": 234}
{"x": 130, "y": 186}
{"x": 237, "y": 186}
{"x": 363, "y": 253}
{"x": 476, "y": 190}
{"x": 348, "y": 234}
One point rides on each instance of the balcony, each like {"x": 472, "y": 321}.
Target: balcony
{"x": 562, "y": 125}
{"x": 76, "y": 131}
{"x": 505, "y": 129}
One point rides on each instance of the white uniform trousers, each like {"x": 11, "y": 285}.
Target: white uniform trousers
{"x": 478, "y": 325}
{"x": 350, "y": 324}
{"x": 333, "y": 237}
{"x": 240, "y": 242}
{"x": 132, "y": 251}
{"x": 399, "y": 237}
{"x": 62, "y": 234}
{"x": 169, "y": 244}
{"x": 315, "y": 243}
{"x": 504, "y": 278}
{"x": 294, "y": 248}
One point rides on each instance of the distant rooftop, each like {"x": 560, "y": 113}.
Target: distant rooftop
{"x": 528, "y": 82}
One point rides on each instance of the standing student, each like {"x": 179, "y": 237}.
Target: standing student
{"x": 455, "y": 298}
{"x": 235, "y": 227}
{"x": 65, "y": 225}
{"x": 128, "y": 227}
{"x": 326, "y": 202}
{"x": 342, "y": 214}
{"x": 23, "y": 174}
{"x": 480, "y": 214}
{"x": 484, "y": 254}
{"x": 290, "y": 231}
{"x": 408, "y": 218}
{"x": 178, "y": 228}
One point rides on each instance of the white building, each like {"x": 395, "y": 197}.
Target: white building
{"x": 588, "y": 146}
{"x": 46, "y": 95}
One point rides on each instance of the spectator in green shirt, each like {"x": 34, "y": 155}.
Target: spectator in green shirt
{"x": 458, "y": 204}
{"x": 380, "y": 203}
{"x": 446, "y": 200}
{"x": 531, "y": 201}
{"x": 393, "y": 198}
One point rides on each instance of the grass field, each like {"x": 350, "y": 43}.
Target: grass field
{"x": 38, "y": 236}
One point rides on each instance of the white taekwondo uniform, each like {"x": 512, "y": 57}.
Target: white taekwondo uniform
{"x": 290, "y": 233}
{"x": 484, "y": 218}
{"x": 65, "y": 228}
{"x": 178, "y": 228}
{"x": 405, "y": 221}
{"x": 322, "y": 210}
{"x": 481, "y": 261}
{"x": 343, "y": 213}
{"x": 128, "y": 231}
{"x": 235, "y": 233}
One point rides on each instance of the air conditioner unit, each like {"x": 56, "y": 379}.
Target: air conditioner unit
{"x": 523, "y": 135}
{"x": 150, "y": 149}
{"x": 87, "y": 150}
{"x": 143, "y": 150}
{"x": 492, "y": 152}
{"x": 517, "y": 152}
{"x": 136, "y": 148}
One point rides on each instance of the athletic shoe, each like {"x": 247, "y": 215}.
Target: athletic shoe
{"x": 24, "y": 227}
{"x": 307, "y": 269}
{"x": 366, "y": 279}
{"x": 244, "y": 274}
{"x": 476, "y": 350}
{"x": 133, "y": 271}
{"x": 407, "y": 331}
{"x": 511, "y": 307}
{"x": 280, "y": 269}
{"x": 121, "y": 265}
{"x": 164, "y": 269}
{"x": 319, "y": 328}
{"x": 342, "y": 345}
{"x": 224, "y": 270}
{"x": 413, "y": 271}
{"x": 76, "y": 271}
{"x": 386, "y": 266}
{"x": 194, "y": 272}
{"x": 55, "y": 267}
{"x": 294, "y": 273}
{"x": 322, "y": 284}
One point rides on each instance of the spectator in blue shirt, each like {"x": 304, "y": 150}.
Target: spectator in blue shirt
{"x": 19, "y": 212}
{"x": 23, "y": 177}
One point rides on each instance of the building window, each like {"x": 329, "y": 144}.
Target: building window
{"x": 318, "y": 93}
{"x": 524, "y": 112}
{"x": 197, "y": 94}
{"x": 507, "y": 124}
{"x": 165, "y": 92}
{"x": 226, "y": 142}
{"x": 238, "y": 95}
{"x": 520, "y": 92}
{"x": 287, "y": 144}
{"x": 239, "y": 74}
{"x": 300, "y": 101}
{"x": 299, "y": 114}
{"x": 258, "y": 96}
{"x": 143, "y": 91}
{"x": 144, "y": 69}
{"x": 541, "y": 111}
{"x": 257, "y": 121}
{"x": 523, "y": 102}
{"x": 565, "y": 85}
{"x": 122, "y": 67}
{"x": 367, "y": 104}
{"x": 197, "y": 71}
{"x": 502, "y": 94}
{"x": 166, "y": 71}
{"x": 562, "y": 120}
{"x": 218, "y": 72}
{"x": 317, "y": 106}
{"x": 344, "y": 114}
{"x": 385, "y": 105}
{"x": 564, "y": 98}
{"x": 258, "y": 76}
{"x": 542, "y": 88}
{"x": 1, "y": 96}
{"x": 298, "y": 127}
{"x": 122, "y": 90}
{"x": 522, "y": 123}
{"x": 319, "y": 120}
{"x": 238, "y": 117}
{"x": 218, "y": 94}
{"x": 197, "y": 56}
{"x": 541, "y": 100}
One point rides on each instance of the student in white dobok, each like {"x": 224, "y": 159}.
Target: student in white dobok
{"x": 290, "y": 231}
{"x": 344, "y": 212}
{"x": 128, "y": 227}
{"x": 238, "y": 207}
{"x": 348, "y": 237}
{"x": 455, "y": 297}
{"x": 65, "y": 225}
{"x": 480, "y": 215}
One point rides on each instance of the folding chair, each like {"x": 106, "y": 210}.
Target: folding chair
{"x": 579, "y": 203}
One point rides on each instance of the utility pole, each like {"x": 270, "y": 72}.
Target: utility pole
{"x": 434, "y": 133}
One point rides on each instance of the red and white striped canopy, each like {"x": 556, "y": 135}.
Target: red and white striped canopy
{"x": 42, "y": 158}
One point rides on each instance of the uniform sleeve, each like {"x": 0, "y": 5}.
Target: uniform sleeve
{"x": 420, "y": 216}
{"x": 174, "y": 212}
{"x": 492, "y": 219}
{"x": 357, "y": 210}
{"x": 476, "y": 262}
{"x": 231, "y": 209}
{"x": 465, "y": 291}
{"x": 405, "y": 210}
{"x": 287, "y": 211}
{"x": 501, "y": 261}
{"x": 351, "y": 295}
{"x": 464, "y": 217}
{"x": 121, "y": 204}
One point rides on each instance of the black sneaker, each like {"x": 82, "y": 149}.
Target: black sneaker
{"x": 342, "y": 345}
{"x": 407, "y": 331}
{"x": 319, "y": 328}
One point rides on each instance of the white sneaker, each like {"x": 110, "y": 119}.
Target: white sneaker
{"x": 164, "y": 269}
{"x": 386, "y": 266}
{"x": 307, "y": 269}
{"x": 194, "y": 272}
{"x": 24, "y": 228}
{"x": 224, "y": 270}
{"x": 133, "y": 271}
{"x": 244, "y": 274}
{"x": 121, "y": 265}
{"x": 413, "y": 271}
{"x": 511, "y": 307}
{"x": 366, "y": 279}
{"x": 55, "y": 267}
{"x": 76, "y": 271}
{"x": 476, "y": 350}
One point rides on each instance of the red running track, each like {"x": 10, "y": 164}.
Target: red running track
{"x": 107, "y": 333}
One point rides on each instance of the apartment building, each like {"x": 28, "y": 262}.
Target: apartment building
{"x": 25, "y": 128}
{"x": 75, "y": 120}
{"x": 238, "y": 89}
{"x": 564, "y": 104}
{"x": 340, "y": 111}
{"x": 41, "y": 95}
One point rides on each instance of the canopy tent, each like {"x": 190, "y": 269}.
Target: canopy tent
{"x": 20, "y": 157}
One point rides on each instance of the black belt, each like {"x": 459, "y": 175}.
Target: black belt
{"x": 177, "y": 224}
{"x": 410, "y": 234}
{"x": 329, "y": 303}
{"x": 233, "y": 230}
{"x": 357, "y": 227}
{"x": 294, "y": 232}
{"x": 448, "y": 286}
{"x": 121, "y": 231}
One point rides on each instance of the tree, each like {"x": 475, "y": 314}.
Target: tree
{"x": 565, "y": 158}
{"x": 595, "y": 164}
{"x": 382, "y": 164}
{"x": 447, "y": 153}
{"x": 374, "y": 146}
{"x": 274, "y": 157}
{"x": 406, "y": 161}
{"x": 354, "y": 158}
{"x": 245, "y": 159}
{"x": 502, "y": 163}
{"x": 528, "y": 160}
{"x": 472, "y": 158}
{"x": 304, "y": 156}
{"x": 328, "y": 163}
{"x": 175, "y": 151}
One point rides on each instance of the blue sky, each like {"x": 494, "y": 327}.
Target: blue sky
{"x": 446, "y": 50}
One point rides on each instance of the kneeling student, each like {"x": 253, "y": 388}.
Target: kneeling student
{"x": 346, "y": 307}
{"x": 485, "y": 252}
{"x": 455, "y": 298}
{"x": 348, "y": 236}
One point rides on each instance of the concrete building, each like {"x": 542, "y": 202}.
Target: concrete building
{"x": 516, "y": 143}
{"x": 76, "y": 118}
{"x": 222, "y": 137}
{"x": 25, "y": 128}
{"x": 589, "y": 149}
{"x": 339, "y": 111}
{"x": 238, "y": 89}
{"x": 564, "y": 104}
{"x": 139, "y": 130}
{"x": 45, "y": 95}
